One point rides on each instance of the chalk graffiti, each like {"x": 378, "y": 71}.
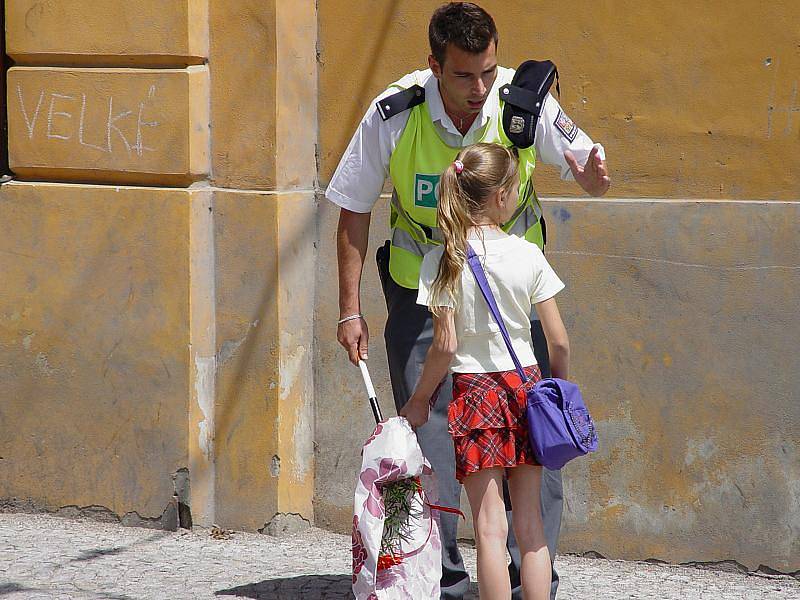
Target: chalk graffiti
{"x": 61, "y": 123}
{"x": 30, "y": 124}
{"x": 51, "y": 114}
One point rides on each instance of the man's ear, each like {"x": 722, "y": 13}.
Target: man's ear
{"x": 436, "y": 68}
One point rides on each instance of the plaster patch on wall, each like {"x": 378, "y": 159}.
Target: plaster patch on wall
{"x": 787, "y": 451}
{"x": 27, "y": 340}
{"x": 713, "y": 481}
{"x": 303, "y": 439}
{"x": 295, "y": 369}
{"x": 230, "y": 347}
{"x": 283, "y": 524}
{"x": 617, "y": 429}
{"x": 765, "y": 493}
{"x": 699, "y": 449}
{"x": 205, "y": 367}
{"x": 598, "y": 509}
{"x": 653, "y": 520}
{"x": 726, "y": 491}
{"x": 619, "y": 439}
{"x": 43, "y": 365}
{"x": 275, "y": 466}
{"x": 290, "y": 368}
{"x": 793, "y": 518}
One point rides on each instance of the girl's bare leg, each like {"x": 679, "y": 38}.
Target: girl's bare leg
{"x": 523, "y": 484}
{"x": 485, "y": 493}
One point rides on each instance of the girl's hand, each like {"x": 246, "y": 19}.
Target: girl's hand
{"x": 416, "y": 411}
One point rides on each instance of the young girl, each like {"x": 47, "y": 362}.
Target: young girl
{"x": 478, "y": 192}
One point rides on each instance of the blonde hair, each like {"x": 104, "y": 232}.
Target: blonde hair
{"x": 480, "y": 171}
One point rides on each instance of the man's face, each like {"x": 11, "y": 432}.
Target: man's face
{"x": 465, "y": 78}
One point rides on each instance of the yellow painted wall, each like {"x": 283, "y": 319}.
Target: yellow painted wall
{"x": 264, "y": 341}
{"x": 93, "y": 335}
{"x": 163, "y": 32}
{"x": 263, "y": 91}
{"x": 682, "y": 338}
{"x": 264, "y": 94}
{"x": 98, "y": 313}
{"x": 243, "y": 58}
{"x": 202, "y": 366}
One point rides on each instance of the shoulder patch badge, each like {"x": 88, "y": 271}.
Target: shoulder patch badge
{"x": 565, "y": 125}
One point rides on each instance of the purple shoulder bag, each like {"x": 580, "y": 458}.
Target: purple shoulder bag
{"x": 559, "y": 425}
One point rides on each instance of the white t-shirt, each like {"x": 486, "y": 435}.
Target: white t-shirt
{"x": 519, "y": 277}
{"x": 358, "y": 180}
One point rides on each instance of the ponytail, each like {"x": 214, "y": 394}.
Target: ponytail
{"x": 466, "y": 184}
{"x": 454, "y": 221}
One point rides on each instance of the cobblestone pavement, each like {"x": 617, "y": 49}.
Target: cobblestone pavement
{"x": 47, "y": 557}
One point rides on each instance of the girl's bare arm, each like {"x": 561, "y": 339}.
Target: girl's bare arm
{"x": 437, "y": 363}
{"x": 557, "y": 339}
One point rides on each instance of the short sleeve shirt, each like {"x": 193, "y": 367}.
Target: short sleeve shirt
{"x": 519, "y": 277}
{"x": 364, "y": 167}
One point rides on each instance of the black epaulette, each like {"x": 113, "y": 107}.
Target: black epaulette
{"x": 401, "y": 101}
{"x": 524, "y": 100}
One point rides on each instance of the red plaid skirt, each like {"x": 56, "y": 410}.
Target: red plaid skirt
{"x": 487, "y": 420}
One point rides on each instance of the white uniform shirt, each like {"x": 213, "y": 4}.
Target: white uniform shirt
{"x": 519, "y": 277}
{"x": 364, "y": 167}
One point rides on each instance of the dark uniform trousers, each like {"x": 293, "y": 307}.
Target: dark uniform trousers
{"x": 408, "y": 335}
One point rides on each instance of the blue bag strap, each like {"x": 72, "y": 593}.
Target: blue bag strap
{"x": 480, "y": 278}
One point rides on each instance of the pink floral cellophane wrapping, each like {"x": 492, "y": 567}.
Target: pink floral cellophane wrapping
{"x": 392, "y": 453}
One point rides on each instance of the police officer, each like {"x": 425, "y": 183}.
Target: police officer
{"x": 412, "y": 131}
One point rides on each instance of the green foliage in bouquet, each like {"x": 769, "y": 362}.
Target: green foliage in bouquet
{"x": 400, "y": 509}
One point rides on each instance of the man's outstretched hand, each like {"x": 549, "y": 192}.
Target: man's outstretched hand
{"x": 593, "y": 176}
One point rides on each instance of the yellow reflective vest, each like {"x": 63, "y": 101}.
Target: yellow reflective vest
{"x": 415, "y": 167}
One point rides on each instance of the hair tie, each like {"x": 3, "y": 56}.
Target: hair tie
{"x": 459, "y": 166}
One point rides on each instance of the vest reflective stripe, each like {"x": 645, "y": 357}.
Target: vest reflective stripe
{"x": 423, "y": 234}
{"x": 525, "y": 222}
{"x": 409, "y": 250}
{"x": 417, "y": 162}
{"x": 403, "y": 239}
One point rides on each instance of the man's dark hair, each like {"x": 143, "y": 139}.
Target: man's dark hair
{"x": 463, "y": 24}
